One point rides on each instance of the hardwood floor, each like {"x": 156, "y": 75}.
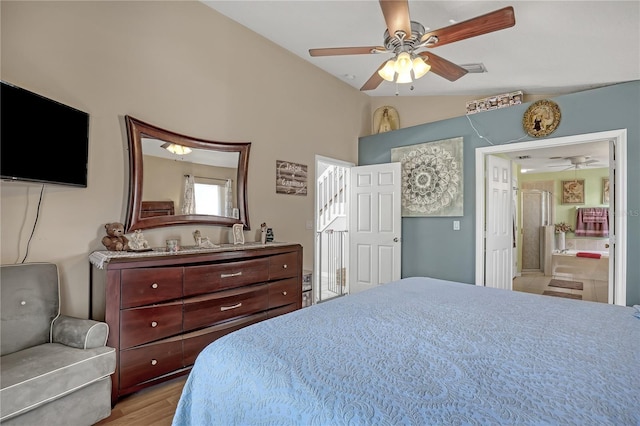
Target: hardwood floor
{"x": 152, "y": 406}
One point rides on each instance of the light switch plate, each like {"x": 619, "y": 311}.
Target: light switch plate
{"x": 456, "y": 225}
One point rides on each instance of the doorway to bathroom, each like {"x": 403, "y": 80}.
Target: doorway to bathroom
{"x": 616, "y": 142}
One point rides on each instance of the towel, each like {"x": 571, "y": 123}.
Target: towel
{"x": 587, "y": 254}
{"x": 592, "y": 222}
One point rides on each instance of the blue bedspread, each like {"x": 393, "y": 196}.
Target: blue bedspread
{"x": 421, "y": 351}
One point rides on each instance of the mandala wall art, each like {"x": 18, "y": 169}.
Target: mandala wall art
{"x": 432, "y": 183}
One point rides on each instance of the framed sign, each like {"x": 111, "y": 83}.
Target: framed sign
{"x": 238, "y": 235}
{"x": 291, "y": 178}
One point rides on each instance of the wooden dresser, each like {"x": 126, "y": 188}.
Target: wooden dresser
{"x": 163, "y": 309}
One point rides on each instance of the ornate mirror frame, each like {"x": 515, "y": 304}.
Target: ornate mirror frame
{"x": 137, "y": 131}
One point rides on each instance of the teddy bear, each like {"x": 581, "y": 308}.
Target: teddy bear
{"x": 115, "y": 239}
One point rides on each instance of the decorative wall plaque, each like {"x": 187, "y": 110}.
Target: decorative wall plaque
{"x": 291, "y": 178}
{"x": 541, "y": 118}
{"x": 432, "y": 183}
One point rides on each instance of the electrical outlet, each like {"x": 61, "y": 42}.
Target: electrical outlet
{"x": 309, "y": 224}
{"x": 456, "y": 225}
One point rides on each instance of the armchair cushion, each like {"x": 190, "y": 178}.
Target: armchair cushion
{"x": 29, "y": 303}
{"x": 37, "y": 375}
{"x": 79, "y": 333}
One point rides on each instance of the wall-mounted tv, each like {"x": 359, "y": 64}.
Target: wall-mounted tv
{"x": 42, "y": 140}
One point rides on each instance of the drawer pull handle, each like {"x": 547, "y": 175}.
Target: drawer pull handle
{"x": 284, "y": 266}
{"x": 284, "y": 293}
{"x": 154, "y": 324}
{"x": 236, "y": 274}
{"x": 154, "y": 361}
{"x": 154, "y": 285}
{"x": 226, "y": 308}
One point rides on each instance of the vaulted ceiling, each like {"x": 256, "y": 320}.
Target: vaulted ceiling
{"x": 555, "y": 47}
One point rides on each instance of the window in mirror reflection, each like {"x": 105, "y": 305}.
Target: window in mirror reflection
{"x": 213, "y": 197}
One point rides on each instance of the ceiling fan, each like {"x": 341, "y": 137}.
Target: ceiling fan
{"x": 405, "y": 38}
{"x": 579, "y": 162}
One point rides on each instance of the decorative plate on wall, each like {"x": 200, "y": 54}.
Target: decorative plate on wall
{"x": 541, "y": 118}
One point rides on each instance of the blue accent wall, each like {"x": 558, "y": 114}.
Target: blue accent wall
{"x": 430, "y": 247}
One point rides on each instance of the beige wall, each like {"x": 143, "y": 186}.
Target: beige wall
{"x": 164, "y": 63}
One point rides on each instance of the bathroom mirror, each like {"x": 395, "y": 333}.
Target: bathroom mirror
{"x": 180, "y": 180}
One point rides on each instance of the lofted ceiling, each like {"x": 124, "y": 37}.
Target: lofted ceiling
{"x": 555, "y": 47}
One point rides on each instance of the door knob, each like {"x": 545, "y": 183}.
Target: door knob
{"x": 395, "y": 240}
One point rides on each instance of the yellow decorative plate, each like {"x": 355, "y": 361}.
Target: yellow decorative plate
{"x": 541, "y": 118}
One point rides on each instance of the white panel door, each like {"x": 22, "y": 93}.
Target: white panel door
{"x": 499, "y": 224}
{"x": 374, "y": 226}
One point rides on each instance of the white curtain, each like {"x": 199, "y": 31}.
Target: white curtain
{"x": 228, "y": 199}
{"x": 189, "y": 201}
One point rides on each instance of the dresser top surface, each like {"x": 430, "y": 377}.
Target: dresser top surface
{"x": 187, "y": 254}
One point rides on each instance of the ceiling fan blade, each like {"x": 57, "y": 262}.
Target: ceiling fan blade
{"x": 442, "y": 67}
{"x": 374, "y": 81}
{"x": 335, "y": 51}
{"x": 396, "y": 15}
{"x": 490, "y": 22}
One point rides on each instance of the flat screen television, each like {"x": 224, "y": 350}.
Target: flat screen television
{"x": 42, "y": 140}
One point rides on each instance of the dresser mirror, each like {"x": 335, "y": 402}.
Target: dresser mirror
{"x": 180, "y": 180}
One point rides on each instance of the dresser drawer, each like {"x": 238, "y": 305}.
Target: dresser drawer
{"x": 146, "y": 324}
{"x": 283, "y": 265}
{"x": 196, "y": 341}
{"x": 207, "y": 310}
{"x": 149, "y": 361}
{"x": 152, "y": 285}
{"x": 284, "y": 292}
{"x": 206, "y": 278}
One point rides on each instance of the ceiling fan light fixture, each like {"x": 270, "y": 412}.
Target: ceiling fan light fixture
{"x": 420, "y": 67}
{"x": 403, "y": 63}
{"x": 176, "y": 149}
{"x": 388, "y": 71}
{"x": 404, "y": 77}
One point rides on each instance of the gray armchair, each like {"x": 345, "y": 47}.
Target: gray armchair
{"x": 54, "y": 369}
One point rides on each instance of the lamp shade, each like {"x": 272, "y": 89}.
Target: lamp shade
{"x": 176, "y": 149}
{"x": 388, "y": 71}
{"x": 420, "y": 67}
{"x": 404, "y": 77}
{"x": 403, "y": 63}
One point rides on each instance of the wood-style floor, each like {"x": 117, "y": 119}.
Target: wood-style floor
{"x": 152, "y": 406}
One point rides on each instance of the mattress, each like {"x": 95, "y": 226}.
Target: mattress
{"x": 424, "y": 351}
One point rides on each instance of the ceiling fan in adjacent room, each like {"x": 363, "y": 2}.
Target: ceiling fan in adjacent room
{"x": 580, "y": 162}
{"x": 405, "y": 39}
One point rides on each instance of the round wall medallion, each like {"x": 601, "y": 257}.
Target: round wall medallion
{"x": 541, "y": 118}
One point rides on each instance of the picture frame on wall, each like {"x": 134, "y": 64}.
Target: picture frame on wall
{"x": 573, "y": 191}
{"x": 605, "y": 190}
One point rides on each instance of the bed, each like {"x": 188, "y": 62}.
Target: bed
{"x": 424, "y": 351}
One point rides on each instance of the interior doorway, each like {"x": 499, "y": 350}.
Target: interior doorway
{"x": 331, "y": 241}
{"x": 617, "y": 176}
